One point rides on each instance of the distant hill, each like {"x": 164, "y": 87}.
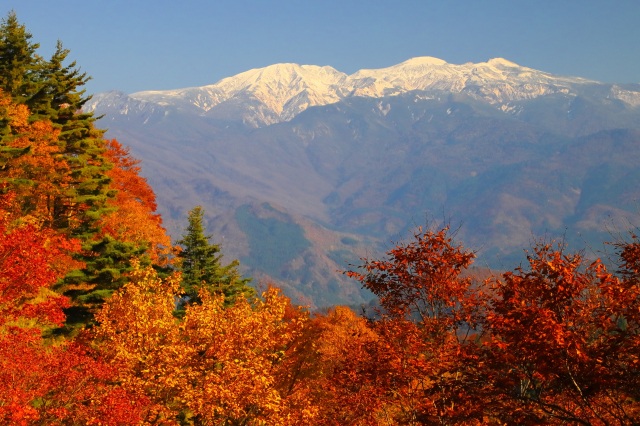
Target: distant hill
{"x": 302, "y": 169}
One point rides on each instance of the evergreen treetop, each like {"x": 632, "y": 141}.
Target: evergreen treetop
{"x": 18, "y": 60}
{"x": 200, "y": 263}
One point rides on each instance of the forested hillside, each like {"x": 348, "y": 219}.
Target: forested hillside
{"x": 104, "y": 322}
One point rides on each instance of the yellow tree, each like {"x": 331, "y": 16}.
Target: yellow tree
{"x": 240, "y": 373}
{"x": 215, "y": 366}
{"x": 138, "y": 332}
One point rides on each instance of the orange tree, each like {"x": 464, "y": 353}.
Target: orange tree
{"x": 350, "y": 369}
{"x": 563, "y": 344}
{"x": 133, "y": 217}
{"x": 431, "y": 324}
{"x": 627, "y": 308}
{"x": 31, "y": 164}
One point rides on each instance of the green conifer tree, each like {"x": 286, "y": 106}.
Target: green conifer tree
{"x": 60, "y": 96}
{"x": 19, "y": 63}
{"x": 200, "y": 263}
{"x": 60, "y": 99}
{"x": 104, "y": 273}
{"x": 53, "y": 91}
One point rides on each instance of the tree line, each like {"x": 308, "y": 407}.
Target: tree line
{"x": 103, "y": 321}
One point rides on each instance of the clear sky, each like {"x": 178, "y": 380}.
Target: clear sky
{"x": 134, "y": 45}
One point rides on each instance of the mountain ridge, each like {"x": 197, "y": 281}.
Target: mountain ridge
{"x": 279, "y": 92}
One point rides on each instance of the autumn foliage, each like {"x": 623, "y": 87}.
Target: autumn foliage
{"x": 564, "y": 342}
{"x": 45, "y": 382}
{"x": 217, "y": 365}
{"x": 133, "y": 218}
{"x": 32, "y": 166}
{"x": 553, "y": 342}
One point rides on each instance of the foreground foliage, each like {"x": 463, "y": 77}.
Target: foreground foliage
{"x": 217, "y": 365}
{"x": 554, "y": 342}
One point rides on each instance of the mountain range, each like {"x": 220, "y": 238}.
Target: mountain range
{"x": 303, "y": 169}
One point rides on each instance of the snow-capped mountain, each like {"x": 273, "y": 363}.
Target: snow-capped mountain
{"x": 280, "y": 92}
{"x": 302, "y": 168}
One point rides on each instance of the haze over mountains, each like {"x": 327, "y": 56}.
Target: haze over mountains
{"x": 302, "y": 168}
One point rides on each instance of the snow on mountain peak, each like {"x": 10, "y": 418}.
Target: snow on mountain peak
{"x": 278, "y": 84}
{"x": 496, "y": 62}
{"x": 279, "y": 92}
{"x": 423, "y": 61}
{"x": 280, "y": 74}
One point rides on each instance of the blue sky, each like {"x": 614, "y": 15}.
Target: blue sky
{"x": 136, "y": 45}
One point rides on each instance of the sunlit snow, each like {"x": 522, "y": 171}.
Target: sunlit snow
{"x": 279, "y": 92}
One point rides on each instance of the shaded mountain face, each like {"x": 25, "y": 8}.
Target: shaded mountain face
{"x": 304, "y": 169}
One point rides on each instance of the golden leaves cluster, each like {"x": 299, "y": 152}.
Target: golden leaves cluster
{"x": 216, "y": 364}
